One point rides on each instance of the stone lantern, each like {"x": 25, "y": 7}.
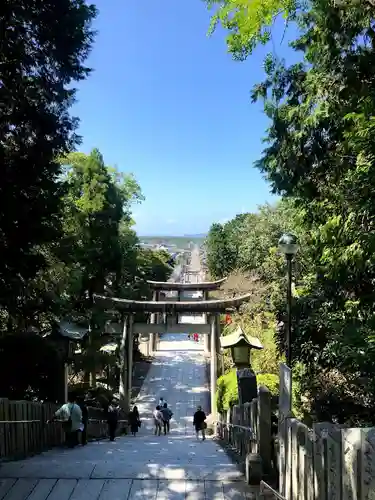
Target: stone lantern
{"x": 240, "y": 345}
{"x": 65, "y": 337}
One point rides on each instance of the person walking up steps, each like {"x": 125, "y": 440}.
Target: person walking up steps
{"x": 158, "y": 420}
{"x": 199, "y": 422}
{"x": 134, "y": 421}
{"x": 167, "y": 415}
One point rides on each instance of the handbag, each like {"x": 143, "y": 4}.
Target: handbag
{"x": 139, "y": 423}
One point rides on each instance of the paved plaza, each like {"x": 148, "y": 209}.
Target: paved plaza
{"x": 176, "y": 466}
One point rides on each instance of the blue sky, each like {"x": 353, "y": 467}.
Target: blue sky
{"x": 168, "y": 104}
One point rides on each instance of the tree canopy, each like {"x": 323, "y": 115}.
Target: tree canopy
{"x": 248, "y": 22}
{"x": 43, "y": 51}
{"x": 66, "y": 227}
{"x": 320, "y": 158}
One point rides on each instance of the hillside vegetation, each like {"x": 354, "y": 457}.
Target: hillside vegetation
{"x": 319, "y": 157}
{"x": 331, "y": 367}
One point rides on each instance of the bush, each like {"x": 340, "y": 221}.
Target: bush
{"x": 227, "y": 390}
{"x": 271, "y": 381}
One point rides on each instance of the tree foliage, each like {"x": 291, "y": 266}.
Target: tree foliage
{"x": 66, "y": 228}
{"x": 248, "y": 22}
{"x": 43, "y": 49}
{"x": 320, "y": 157}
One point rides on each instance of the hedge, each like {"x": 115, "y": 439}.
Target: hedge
{"x": 227, "y": 390}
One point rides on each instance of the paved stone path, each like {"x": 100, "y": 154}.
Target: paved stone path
{"x": 172, "y": 467}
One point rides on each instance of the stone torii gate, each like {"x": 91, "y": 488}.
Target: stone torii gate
{"x": 160, "y": 287}
{"x": 169, "y": 310}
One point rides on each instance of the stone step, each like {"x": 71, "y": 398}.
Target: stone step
{"x": 122, "y": 489}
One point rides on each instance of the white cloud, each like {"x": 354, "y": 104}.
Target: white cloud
{"x": 171, "y": 221}
{"x": 224, "y": 221}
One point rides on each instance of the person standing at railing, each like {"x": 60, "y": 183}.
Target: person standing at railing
{"x": 71, "y": 416}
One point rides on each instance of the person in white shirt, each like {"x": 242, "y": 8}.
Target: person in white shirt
{"x": 71, "y": 416}
{"x": 158, "y": 420}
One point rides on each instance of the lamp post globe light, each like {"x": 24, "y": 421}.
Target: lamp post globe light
{"x": 240, "y": 345}
{"x": 288, "y": 245}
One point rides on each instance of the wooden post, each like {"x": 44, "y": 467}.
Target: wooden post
{"x": 123, "y": 390}
{"x": 213, "y": 371}
{"x": 66, "y": 380}
{"x": 130, "y": 357}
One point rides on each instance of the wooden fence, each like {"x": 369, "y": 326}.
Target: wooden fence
{"x": 247, "y": 429}
{"x": 325, "y": 462}
{"x": 24, "y": 431}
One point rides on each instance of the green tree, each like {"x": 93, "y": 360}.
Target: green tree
{"x": 248, "y": 22}
{"x": 97, "y": 236}
{"x": 43, "y": 50}
{"x": 321, "y": 153}
{"x": 221, "y": 254}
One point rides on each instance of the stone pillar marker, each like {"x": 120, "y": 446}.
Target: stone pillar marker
{"x": 264, "y": 427}
{"x": 213, "y": 366}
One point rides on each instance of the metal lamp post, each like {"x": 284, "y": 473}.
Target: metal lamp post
{"x": 240, "y": 345}
{"x": 288, "y": 245}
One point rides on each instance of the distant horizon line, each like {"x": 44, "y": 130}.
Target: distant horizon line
{"x": 199, "y": 235}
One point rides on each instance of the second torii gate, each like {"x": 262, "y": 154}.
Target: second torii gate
{"x": 170, "y": 310}
{"x": 159, "y": 287}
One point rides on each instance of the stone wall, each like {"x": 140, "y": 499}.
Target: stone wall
{"x": 247, "y": 430}
{"x": 325, "y": 462}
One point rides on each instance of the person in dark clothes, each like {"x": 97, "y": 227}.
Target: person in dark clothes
{"x": 112, "y": 420}
{"x": 199, "y": 422}
{"x": 134, "y": 421}
{"x": 167, "y": 415}
{"x": 85, "y": 420}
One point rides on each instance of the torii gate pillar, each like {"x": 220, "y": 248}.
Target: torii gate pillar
{"x": 206, "y": 338}
{"x": 153, "y": 321}
{"x": 126, "y": 363}
{"x": 213, "y": 365}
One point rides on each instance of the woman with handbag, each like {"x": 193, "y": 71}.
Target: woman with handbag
{"x": 199, "y": 422}
{"x": 71, "y": 416}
